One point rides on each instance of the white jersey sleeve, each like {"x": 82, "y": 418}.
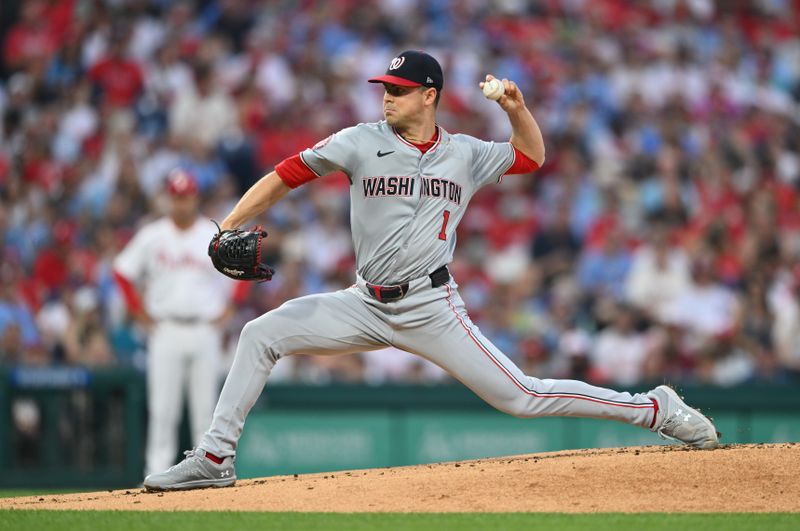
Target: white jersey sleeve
{"x": 337, "y": 152}
{"x": 490, "y": 160}
{"x": 172, "y": 269}
{"x": 131, "y": 262}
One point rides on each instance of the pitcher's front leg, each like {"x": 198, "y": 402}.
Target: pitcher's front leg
{"x": 330, "y": 323}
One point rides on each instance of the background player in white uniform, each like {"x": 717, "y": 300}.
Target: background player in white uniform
{"x": 410, "y": 183}
{"x": 184, "y": 303}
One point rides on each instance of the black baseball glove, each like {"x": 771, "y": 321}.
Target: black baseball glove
{"x": 237, "y": 254}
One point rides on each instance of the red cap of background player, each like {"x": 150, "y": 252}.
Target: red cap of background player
{"x": 413, "y": 69}
{"x": 181, "y": 182}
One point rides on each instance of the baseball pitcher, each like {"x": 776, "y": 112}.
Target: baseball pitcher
{"x": 410, "y": 184}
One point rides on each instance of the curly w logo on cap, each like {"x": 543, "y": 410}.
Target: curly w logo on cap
{"x": 413, "y": 69}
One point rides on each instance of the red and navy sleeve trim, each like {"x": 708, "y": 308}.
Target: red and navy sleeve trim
{"x": 294, "y": 171}
{"x": 513, "y": 161}
{"x": 522, "y": 164}
{"x": 303, "y": 160}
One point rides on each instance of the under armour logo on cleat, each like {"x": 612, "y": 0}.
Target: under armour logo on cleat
{"x": 225, "y": 473}
{"x": 680, "y": 413}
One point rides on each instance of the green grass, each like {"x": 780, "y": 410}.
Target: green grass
{"x": 197, "y": 521}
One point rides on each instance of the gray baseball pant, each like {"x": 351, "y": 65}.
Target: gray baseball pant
{"x": 430, "y": 322}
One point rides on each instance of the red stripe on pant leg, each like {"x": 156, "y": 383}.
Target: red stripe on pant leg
{"x": 214, "y": 458}
{"x": 655, "y": 413}
{"x": 517, "y": 383}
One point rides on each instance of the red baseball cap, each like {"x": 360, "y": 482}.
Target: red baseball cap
{"x": 413, "y": 69}
{"x": 181, "y": 182}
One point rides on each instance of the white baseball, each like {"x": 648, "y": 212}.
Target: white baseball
{"x": 493, "y": 89}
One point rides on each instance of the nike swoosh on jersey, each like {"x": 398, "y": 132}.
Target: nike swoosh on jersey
{"x": 384, "y": 154}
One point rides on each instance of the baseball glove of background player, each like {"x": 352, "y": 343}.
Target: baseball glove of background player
{"x": 237, "y": 254}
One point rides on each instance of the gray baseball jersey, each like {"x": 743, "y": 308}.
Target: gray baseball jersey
{"x": 405, "y": 205}
{"x": 404, "y": 212}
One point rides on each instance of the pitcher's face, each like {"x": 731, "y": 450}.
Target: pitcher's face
{"x": 404, "y": 104}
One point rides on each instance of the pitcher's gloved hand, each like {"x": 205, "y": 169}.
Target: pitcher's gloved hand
{"x": 237, "y": 254}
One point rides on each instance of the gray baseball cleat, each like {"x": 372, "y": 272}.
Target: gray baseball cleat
{"x": 678, "y": 422}
{"x": 196, "y": 471}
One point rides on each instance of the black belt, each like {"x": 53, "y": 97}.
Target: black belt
{"x": 394, "y": 293}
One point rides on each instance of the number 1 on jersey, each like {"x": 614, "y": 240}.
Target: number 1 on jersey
{"x": 443, "y": 234}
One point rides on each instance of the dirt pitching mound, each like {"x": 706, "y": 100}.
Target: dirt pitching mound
{"x": 735, "y": 478}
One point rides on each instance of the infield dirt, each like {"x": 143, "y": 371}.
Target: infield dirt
{"x": 734, "y": 478}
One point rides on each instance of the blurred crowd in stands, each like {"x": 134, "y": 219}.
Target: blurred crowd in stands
{"x": 660, "y": 241}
